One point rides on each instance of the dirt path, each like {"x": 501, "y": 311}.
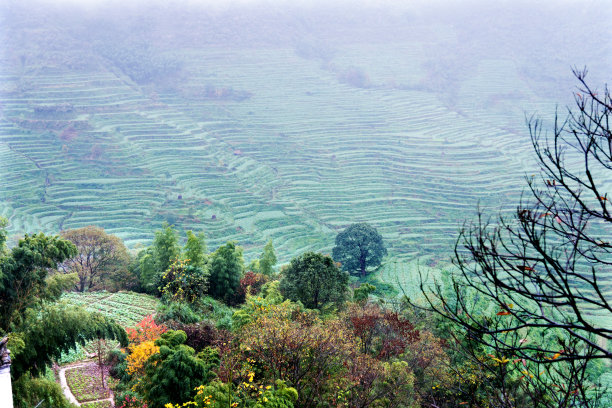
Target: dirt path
{"x": 66, "y": 389}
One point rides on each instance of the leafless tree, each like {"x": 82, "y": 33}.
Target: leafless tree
{"x": 545, "y": 273}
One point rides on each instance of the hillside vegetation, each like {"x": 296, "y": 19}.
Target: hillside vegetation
{"x": 251, "y": 135}
{"x": 236, "y": 206}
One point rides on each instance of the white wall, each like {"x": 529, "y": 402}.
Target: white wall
{"x": 6, "y": 392}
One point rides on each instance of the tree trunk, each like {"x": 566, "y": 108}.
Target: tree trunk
{"x": 362, "y": 265}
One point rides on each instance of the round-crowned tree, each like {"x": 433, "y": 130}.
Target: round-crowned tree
{"x": 358, "y": 248}
{"x": 101, "y": 262}
{"x": 314, "y": 280}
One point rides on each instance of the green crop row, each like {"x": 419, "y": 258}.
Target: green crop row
{"x": 127, "y": 308}
{"x": 98, "y": 404}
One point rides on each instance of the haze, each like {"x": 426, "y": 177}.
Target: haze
{"x": 255, "y": 120}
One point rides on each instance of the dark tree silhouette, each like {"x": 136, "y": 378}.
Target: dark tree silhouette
{"x": 546, "y": 272}
{"x": 359, "y": 247}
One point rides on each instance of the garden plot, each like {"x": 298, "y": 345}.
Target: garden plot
{"x": 98, "y": 404}
{"x": 86, "y": 384}
{"x": 127, "y": 308}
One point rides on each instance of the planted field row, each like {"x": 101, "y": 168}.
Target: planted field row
{"x": 306, "y": 154}
{"x": 127, "y": 308}
{"x": 98, "y": 404}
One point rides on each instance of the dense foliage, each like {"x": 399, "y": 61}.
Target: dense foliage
{"x": 358, "y": 248}
{"x": 315, "y": 280}
{"x": 509, "y": 331}
{"x": 226, "y": 269}
{"x": 267, "y": 260}
{"x": 101, "y": 261}
{"x": 283, "y": 347}
{"x": 184, "y": 282}
{"x": 195, "y": 249}
{"x": 24, "y": 272}
{"x": 44, "y": 334}
{"x": 174, "y": 371}
{"x": 165, "y": 248}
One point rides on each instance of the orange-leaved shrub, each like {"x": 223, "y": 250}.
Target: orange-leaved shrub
{"x": 145, "y": 330}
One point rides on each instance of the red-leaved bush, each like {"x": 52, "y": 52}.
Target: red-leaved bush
{"x": 251, "y": 282}
{"x": 145, "y": 330}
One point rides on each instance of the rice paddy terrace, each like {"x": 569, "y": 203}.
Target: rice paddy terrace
{"x": 304, "y": 156}
{"x": 260, "y": 143}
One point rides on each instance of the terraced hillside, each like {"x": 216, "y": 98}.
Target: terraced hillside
{"x": 302, "y": 157}
{"x": 266, "y": 142}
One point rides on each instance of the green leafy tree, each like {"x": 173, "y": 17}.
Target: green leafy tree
{"x": 3, "y": 235}
{"x": 172, "y": 374}
{"x": 165, "y": 248}
{"x": 195, "y": 249}
{"x": 358, "y": 248}
{"x": 184, "y": 282}
{"x": 253, "y": 266}
{"x": 101, "y": 258}
{"x": 177, "y": 312}
{"x": 362, "y": 293}
{"x": 38, "y": 392}
{"x": 226, "y": 268}
{"x": 314, "y": 280}
{"x": 144, "y": 267}
{"x": 152, "y": 262}
{"x": 23, "y": 274}
{"x": 320, "y": 359}
{"x": 267, "y": 260}
{"x": 223, "y": 395}
{"x": 47, "y": 332}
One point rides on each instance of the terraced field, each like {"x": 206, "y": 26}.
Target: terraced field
{"x": 127, "y": 308}
{"x": 259, "y": 143}
{"x": 304, "y": 156}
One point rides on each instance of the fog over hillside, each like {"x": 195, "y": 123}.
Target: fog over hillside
{"x": 260, "y": 120}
